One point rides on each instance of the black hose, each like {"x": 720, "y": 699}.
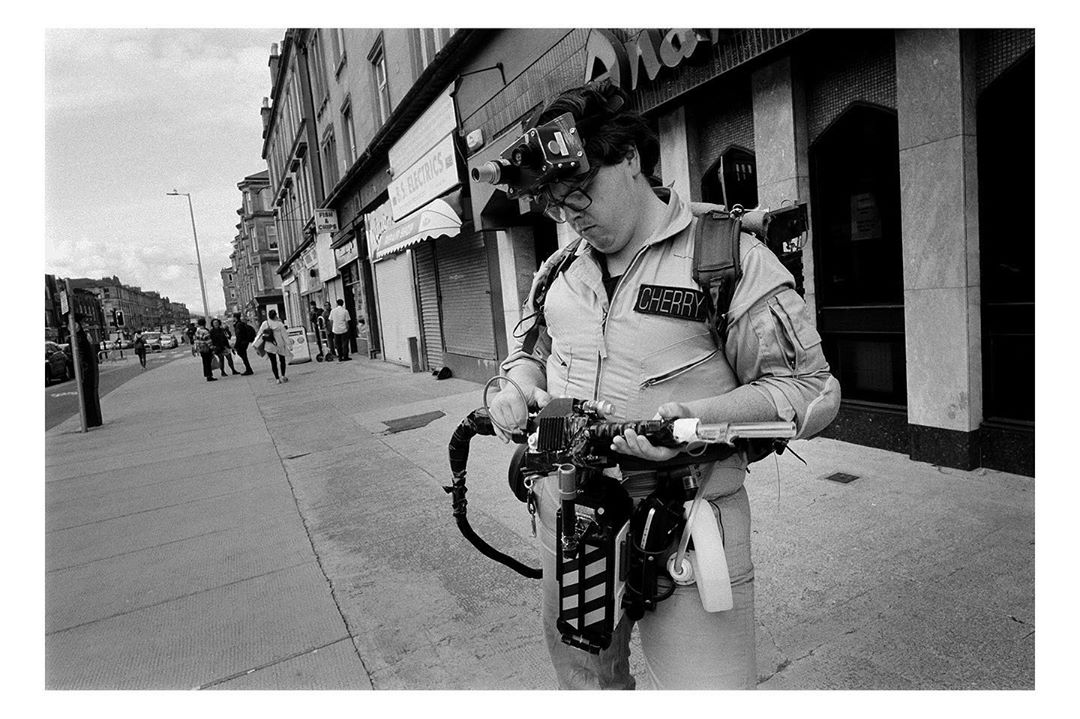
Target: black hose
{"x": 478, "y": 422}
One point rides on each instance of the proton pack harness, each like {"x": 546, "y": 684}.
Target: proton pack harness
{"x": 717, "y": 267}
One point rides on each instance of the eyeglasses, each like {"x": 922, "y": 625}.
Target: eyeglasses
{"x": 576, "y": 200}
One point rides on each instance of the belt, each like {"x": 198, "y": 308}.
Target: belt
{"x": 643, "y": 483}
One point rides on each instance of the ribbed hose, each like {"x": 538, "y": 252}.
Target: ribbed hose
{"x": 478, "y": 422}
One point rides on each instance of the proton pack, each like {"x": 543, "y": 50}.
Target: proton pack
{"x": 614, "y": 555}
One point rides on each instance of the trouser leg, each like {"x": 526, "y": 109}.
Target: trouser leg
{"x": 228, "y": 357}
{"x": 242, "y": 351}
{"x": 273, "y": 364}
{"x": 686, "y": 647}
{"x": 207, "y": 361}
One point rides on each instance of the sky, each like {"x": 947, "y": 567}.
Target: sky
{"x": 131, "y": 114}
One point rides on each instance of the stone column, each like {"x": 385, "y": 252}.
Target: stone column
{"x": 674, "y": 152}
{"x": 935, "y": 93}
{"x": 781, "y": 149}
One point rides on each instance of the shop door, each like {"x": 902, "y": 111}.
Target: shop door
{"x": 468, "y": 327}
{"x": 350, "y": 304}
{"x": 397, "y": 307}
{"x": 855, "y": 193}
{"x": 427, "y": 288}
{"x": 1006, "y": 159}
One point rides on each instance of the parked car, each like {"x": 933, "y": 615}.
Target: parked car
{"x": 152, "y": 340}
{"x": 168, "y": 342}
{"x": 58, "y": 363}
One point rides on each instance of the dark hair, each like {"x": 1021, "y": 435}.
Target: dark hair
{"x": 214, "y": 320}
{"x": 608, "y": 127}
{"x": 236, "y": 315}
{"x": 341, "y": 302}
{"x": 272, "y": 314}
{"x": 201, "y": 322}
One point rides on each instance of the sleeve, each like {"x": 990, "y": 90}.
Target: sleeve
{"x": 775, "y": 348}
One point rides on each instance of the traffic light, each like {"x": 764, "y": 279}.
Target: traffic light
{"x": 119, "y": 318}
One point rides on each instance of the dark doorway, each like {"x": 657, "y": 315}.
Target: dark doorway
{"x": 855, "y": 181}
{"x": 1006, "y": 158}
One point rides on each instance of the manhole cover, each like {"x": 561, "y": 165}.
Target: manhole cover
{"x": 411, "y": 422}
{"x": 842, "y": 477}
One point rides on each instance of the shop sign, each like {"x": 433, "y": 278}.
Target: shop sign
{"x": 378, "y": 222}
{"x": 432, "y": 175}
{"x": 326, "y": 221}
{"x": 428, "y": 130}
{"x": 346, "y": 253}
{"x": 651, "y": 50}
{"x": 298, "y": 345}
{"x": 324, "y": 257}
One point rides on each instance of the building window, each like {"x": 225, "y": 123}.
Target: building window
{"x": 350, "y": 133}
{"x": 271, "y": 236}
{"x": 329, "y": 161}
{"x": 429, "y": 41}
{"x": 380, "y": 83}
{"x": 318, "y": 73}
{"x": 337, "y": 40}
{"x": 732, "y": 180}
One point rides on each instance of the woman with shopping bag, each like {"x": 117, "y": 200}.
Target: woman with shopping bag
{"x": 271, "y": 340}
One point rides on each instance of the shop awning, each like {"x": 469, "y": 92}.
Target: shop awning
{"x": 435, "y": 219}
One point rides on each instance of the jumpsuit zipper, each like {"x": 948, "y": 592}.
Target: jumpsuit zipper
{"x": 603, "y": 321}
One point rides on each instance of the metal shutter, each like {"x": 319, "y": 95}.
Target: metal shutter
{"x": 427, "y": 285}
{"x": 468, "y": 327}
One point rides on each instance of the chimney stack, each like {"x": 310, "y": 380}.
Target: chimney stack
{"x": 265, "y": 112}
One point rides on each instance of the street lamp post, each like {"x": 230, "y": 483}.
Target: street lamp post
{"x": 198, "y": 260}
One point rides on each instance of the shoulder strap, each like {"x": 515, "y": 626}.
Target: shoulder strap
{"x": 717, "y": 269}
{"x": 556, "y": 267}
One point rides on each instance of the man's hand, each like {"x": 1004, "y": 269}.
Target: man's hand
{"x": 509, "y": 412}
{"x": 635, "y": 445}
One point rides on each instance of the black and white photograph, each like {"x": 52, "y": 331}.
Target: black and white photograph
{"x": 400, "y": 361}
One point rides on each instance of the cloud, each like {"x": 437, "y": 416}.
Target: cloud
{"x": 131, "y": 114}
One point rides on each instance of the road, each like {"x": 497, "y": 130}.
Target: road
{"x": 62, "y": 398}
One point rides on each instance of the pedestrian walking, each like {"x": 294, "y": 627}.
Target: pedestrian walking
{"x": 328, "y": 336}
{"x": 190, "y": 334}
{"x": 219, "y": 338}
{"x": 339, "y": 325}
{"x": 244, "y": 335}
{"x": 272, "y": 341}
{"x": 314, "y": 314}
{"x": 140, "y": 348}
{"x": 202, "y": 344}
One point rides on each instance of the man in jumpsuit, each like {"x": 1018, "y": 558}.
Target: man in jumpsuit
{"x": 611, "y": 335}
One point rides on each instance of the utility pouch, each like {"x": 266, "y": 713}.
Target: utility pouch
{"x": 655, "y": 525}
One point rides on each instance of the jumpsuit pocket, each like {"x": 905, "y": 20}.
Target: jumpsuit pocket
{"x": 794, "y": 333}
{"x": 681, "y": 371}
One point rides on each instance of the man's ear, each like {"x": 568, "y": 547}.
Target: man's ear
{"x": 634, "y": 158}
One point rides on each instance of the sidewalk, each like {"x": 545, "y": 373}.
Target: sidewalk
{"x": 249, "y": 535}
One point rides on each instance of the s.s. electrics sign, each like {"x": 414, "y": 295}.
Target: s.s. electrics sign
{"x": 651, "y": 50}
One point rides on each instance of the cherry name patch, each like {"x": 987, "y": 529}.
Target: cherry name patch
{"x": 680, "y": 302}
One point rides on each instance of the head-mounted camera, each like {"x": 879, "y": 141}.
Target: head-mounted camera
{"x": 552, "y": 152}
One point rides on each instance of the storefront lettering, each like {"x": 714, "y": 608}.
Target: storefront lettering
{"x": 607, "y": 56}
